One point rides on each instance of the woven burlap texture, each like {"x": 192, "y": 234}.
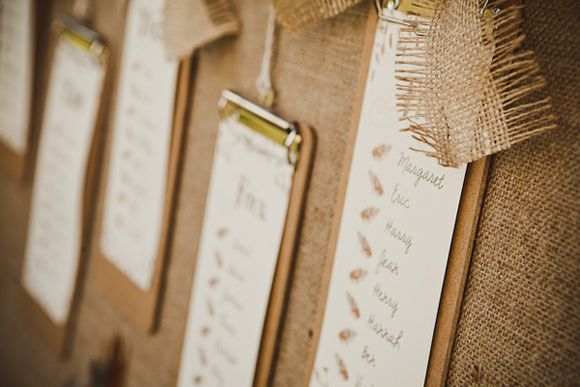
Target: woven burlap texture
{"x": 190, "y": 24}
{"x": 520, "y": 320}
{"x": 296, "y": 13}
{"x": 467, "y": 88}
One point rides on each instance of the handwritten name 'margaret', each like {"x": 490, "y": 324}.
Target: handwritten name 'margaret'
{"x": 407, "y": 167}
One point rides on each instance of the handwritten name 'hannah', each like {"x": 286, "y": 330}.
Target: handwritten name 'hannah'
{"x": 393, "y": 339}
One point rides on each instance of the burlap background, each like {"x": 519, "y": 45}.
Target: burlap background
{"x": 520, "y": 321}
{"x": 189, "y": 24}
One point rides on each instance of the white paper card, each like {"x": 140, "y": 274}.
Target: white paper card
{"x": 140, "y": 150}
{"x": 56, "y": 221}
{"x": 244, "y": 221}
{"x": 392, "y": 250}
{"x": 16, "y": 63}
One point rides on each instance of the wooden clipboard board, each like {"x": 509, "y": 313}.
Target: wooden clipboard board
{"x": 11, "y": 162}
{"x": 143, "y": 307}
{"x": 59, "y": 337}
{"x": 290, "y": 239}
{"x": 461, "y": 246}
{"x": 276, "y": 309}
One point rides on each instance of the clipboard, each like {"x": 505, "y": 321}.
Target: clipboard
{"x": 143, "y": 307}
{"x": 299, "y": 140}
{"x": 465, "y": 229}
{"x": 59, "y": 337}
{"x": 12, "y": 162}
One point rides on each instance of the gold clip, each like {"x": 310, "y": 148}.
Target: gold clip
{"x": 386, "y": 9}
{"x": 488, "y": 12}
{"x": 262, "y": 121}
{"x": 80, "y": 36}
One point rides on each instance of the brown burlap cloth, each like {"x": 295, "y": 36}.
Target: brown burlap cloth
{"x": 520, "y": 319}
{"x": 465, "y": 85}
{"x": 190, "y": 24}
{"x": 296, "y": 13}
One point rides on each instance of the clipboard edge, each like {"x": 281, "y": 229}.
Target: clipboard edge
{"x": 277, "y": 304}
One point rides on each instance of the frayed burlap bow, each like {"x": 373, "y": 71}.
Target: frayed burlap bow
{"x": 465, "y": 86}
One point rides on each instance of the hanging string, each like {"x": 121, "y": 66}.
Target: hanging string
{"x": 266, "y": 92}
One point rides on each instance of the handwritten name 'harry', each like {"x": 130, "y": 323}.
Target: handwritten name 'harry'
{"x": 398, "y": 234}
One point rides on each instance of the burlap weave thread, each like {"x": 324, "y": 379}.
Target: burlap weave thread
{"x": 190, "y": 24}
{"x": 297, "y": 13}
{"x": 466, "y": 88}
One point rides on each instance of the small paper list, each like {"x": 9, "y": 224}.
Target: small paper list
{"x": 55, "y": 228}
{"x": 396, "y": 229}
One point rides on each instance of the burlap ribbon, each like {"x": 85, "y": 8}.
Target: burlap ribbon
{"x": 190, "y": 24}
{"x": 466, "y": 87}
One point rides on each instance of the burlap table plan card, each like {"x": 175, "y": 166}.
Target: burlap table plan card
{"x": 401, "y": 243}
{"x": 64, "y": 181}
{"x": 16, "y": 82}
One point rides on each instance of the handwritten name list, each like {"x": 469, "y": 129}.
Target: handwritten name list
{"x": 394, "y": 239}
{"x": 56, "y": 221}
{"x": 16, "y": 55}
{"x": 244, "y": 221}
{"x": 139, "y": 160}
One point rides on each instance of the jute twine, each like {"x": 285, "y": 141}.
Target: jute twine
{"x": 466, "y": 87}
{"x": 190, "y": 24}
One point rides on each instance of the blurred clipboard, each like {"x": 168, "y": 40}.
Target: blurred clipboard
{"x": 259, "y": 180}
{"x": 143, "y": 306}
{"x": 51, "y": 297}
{"x": 17, "y": 79}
